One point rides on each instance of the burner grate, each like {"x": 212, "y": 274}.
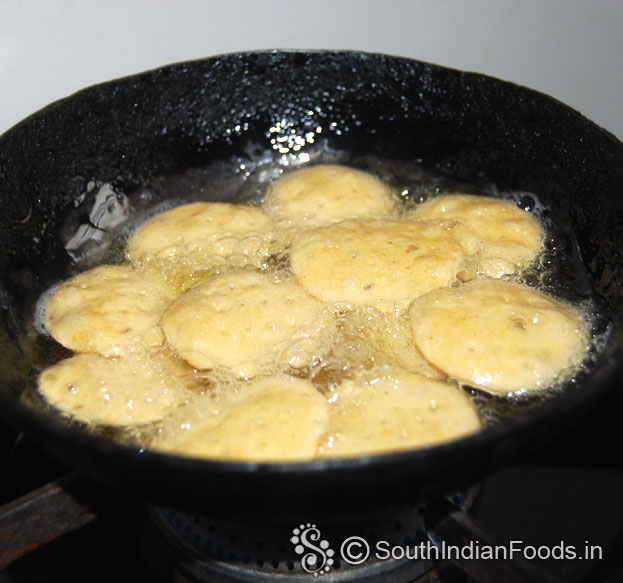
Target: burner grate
{"x": 223, "y": 551}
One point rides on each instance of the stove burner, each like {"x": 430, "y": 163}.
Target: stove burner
{"x": 222, "y": 551}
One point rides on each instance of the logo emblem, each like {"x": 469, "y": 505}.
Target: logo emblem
{"x": 317, "y": 556}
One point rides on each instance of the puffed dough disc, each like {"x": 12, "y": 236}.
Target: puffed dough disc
{"x": 237, "y": 320}
{"x": 211, "y": 231}
{"x": 396, "y": 413}
{"x": 95, "y": 389}
{"x": 498, "y": 335}
{"x": 108, "y": 310}
{"x": 277, "y": 418}
{"x": 378, "y": 263}
{"x": 496, "y": 231}
{"x": 324, "y": 194}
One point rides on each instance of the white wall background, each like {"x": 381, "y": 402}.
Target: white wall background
{"x": 570, "y": 49}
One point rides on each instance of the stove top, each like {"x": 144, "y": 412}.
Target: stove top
{"x": 559, "y": 513}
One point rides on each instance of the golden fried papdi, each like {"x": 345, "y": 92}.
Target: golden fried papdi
{"x": 395, "y": 413}
{"x": 324, "y": 194}
{"x": 277, "y": 418}
{"x": 498, "y": 335}
{"x": 134, "y": 390}
{"x": 211, "y": 232}
{"x": 374, "y": 262}
{"x": 237, "y": 320}
{"x": 109, "y": 310}
{"x": 498, "y": 234}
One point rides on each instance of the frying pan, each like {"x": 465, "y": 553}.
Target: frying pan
{"x": 465, "y": 126}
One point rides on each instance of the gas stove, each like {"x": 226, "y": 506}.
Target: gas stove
{"x": 567, "y": 497}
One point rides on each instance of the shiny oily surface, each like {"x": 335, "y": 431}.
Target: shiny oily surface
{"x": 138, "y": 389}
{"x": 351, "y": 352}
{"x": 107, "y": 310}
{"x": 201, "y": 229}
{"x": 499, "y": 335}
